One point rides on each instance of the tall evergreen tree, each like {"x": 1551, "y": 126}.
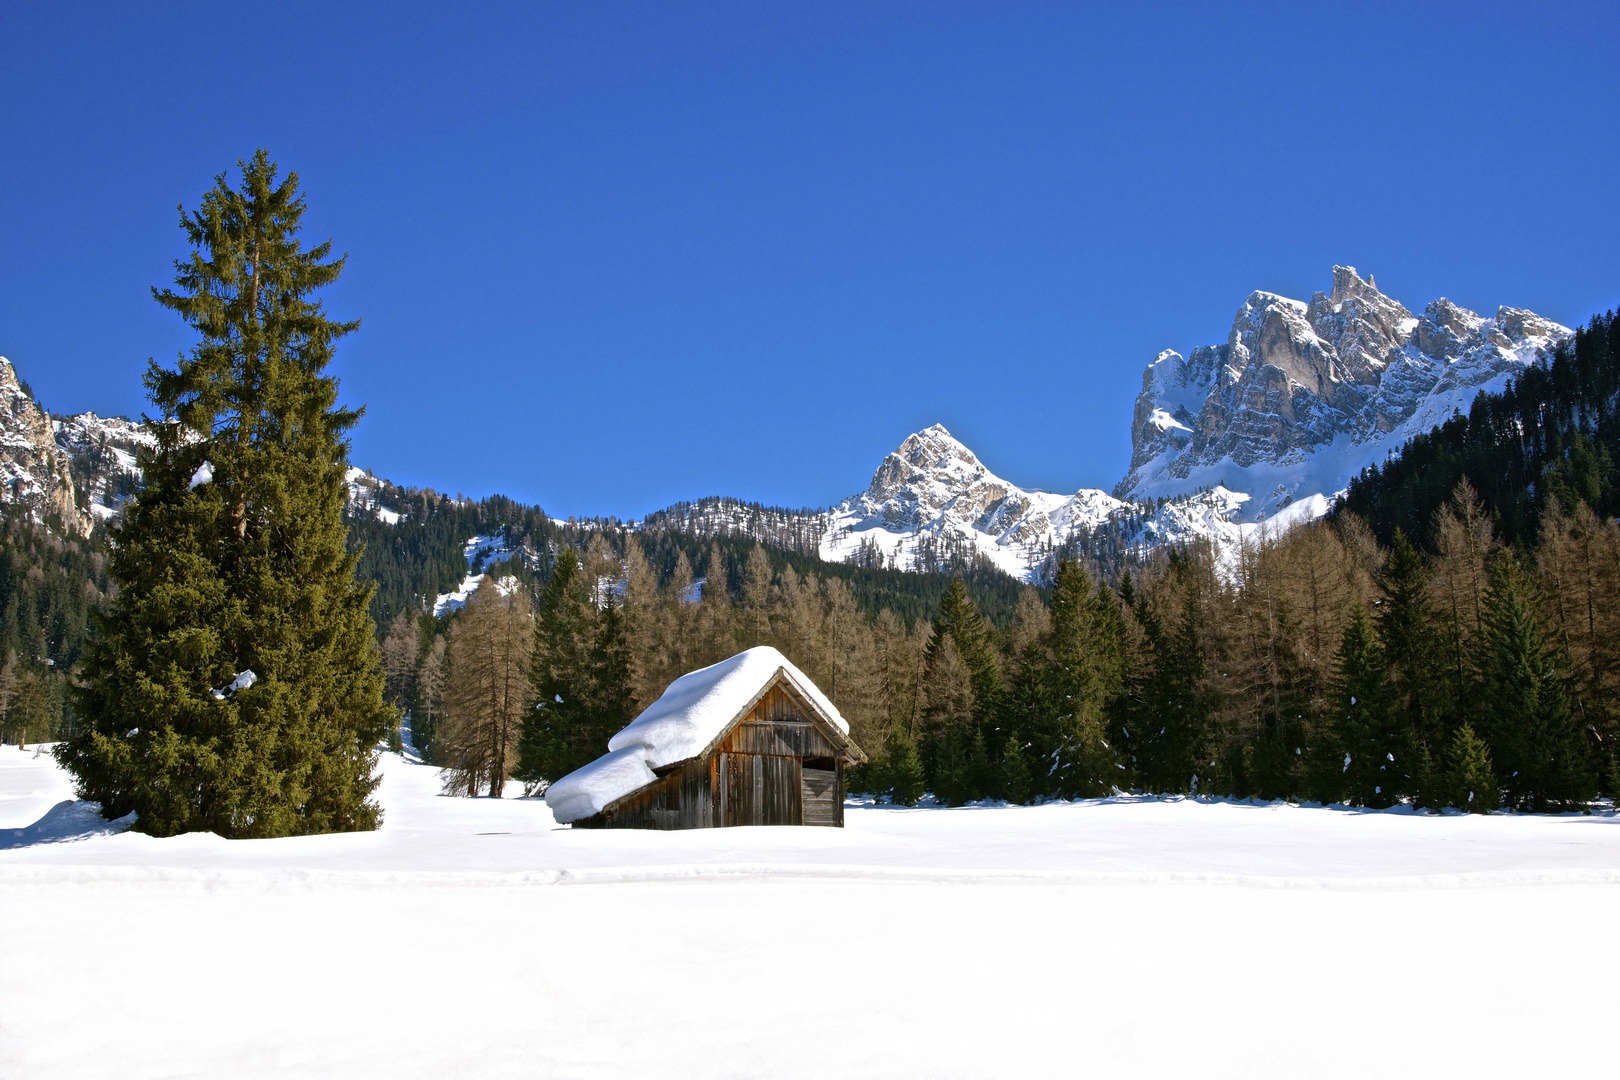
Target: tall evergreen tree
{"x": 1088, "y": 674}
{"x": 950, "y": 736}
{"x": 1413, "y": 645}
{"x": 1012, "y": 772}
{"x": 233, "y": 559}
{"x": 962, "y": 699}
{"x": 1373, "y": 741}
{"x": 556, "y": 738}
{"x": 612, "y": 699}
{"x": 1473, "y": 781}
{"x": 1533, "y": 733}
{"x": 903, "y": 772}
{"x": 960, "y": 623}
{"x": 1168, "y": 716}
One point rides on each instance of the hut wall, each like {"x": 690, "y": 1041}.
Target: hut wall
{"x": 681, "y": 799}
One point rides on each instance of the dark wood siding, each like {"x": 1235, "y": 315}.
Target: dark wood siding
{"x": 820, "y": 791}
{"x": 756, "y": 789}
{"x": 680, "y": 799}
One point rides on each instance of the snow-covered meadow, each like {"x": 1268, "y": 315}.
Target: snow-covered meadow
{"x": 475, "y": 937}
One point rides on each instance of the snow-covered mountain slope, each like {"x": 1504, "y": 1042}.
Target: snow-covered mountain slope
{"x": 34, "y": 471}
{"x": 482, "y": 552}
{"x": 799, "y": 530}
{"x": 1302, "y": 397}
{"x": 101, "y": 459}
{"x": 365, "y": 491}
{"x": 932, "y": 501}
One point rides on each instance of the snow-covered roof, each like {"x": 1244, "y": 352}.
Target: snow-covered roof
{"x": 685, "y": 720}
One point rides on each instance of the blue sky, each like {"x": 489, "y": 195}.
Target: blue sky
{"x": 610, "y": 256}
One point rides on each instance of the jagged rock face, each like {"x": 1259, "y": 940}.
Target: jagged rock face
{"x": 1302, "y": 396}
{"x": 101, "y": 453}
{"x": 933, "y": 498}
{"x": 85, "y": 467}
{"x": 33, "y": 471}
{"x": 930, "y": 475}
{"x": 932, "y": 490}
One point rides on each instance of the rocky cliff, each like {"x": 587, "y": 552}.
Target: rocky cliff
{"x": 932, "y": 500}
{"x": 1301, "y": 396}
{"x": 34, "y": 472}
{"x": 78, "y": 469}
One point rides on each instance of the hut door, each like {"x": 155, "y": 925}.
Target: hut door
{"x": 820, "y": 791}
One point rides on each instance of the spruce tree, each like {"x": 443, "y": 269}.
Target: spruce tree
{"x": 1534, "y": 736}
{"x": 557, "y": 736}
{"x": 612, "y": 698}
{"x": 903, "y": 771}
{"x": 948, "y": 726}
{"x": 232, "y": 560}
{"x": 1365, "y": 728}
{"x": 962, "y": 699}
{"x": 1013, "y": 777}
{"x": 1473, "y": 782}
{"x": 960, "y": 623}
{"x": 1087, "y": 674}
{"x": 1168, "y": 715}
{"x": 1413, "y": 646}
{"x": 1031, "y": 710}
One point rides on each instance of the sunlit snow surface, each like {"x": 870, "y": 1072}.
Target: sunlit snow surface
{"x": 475, "y": 937}
{"x": 481, "y": 552}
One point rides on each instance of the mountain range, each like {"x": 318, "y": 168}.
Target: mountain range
{"x": 1258, "y": 432}
{"x": 1302, "y": 396}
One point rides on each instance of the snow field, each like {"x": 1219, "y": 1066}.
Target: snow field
{"x": 472, "y": 937}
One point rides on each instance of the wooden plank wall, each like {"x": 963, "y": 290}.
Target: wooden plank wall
{"x": 680, "y": 800}
{"x": 756, "y": 789}
{"x": 820, "y": 787}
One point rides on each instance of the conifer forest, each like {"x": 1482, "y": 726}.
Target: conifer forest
{"x": 1323, "y": 666}
{"x": 1462, "y": 653}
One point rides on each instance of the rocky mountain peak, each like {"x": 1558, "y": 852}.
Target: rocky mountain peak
{"x": 1303, "y": 395}
{"x": 33, "y": 471}
{"x": 927, "y": 472}
{"x": 932, "y": 497}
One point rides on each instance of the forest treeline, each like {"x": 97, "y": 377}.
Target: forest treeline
{"x": 1320, "y": 665}
{"x": 423, "y": 555}
{"x": 1551, "y": 436}
{"x": 51, "y": 581}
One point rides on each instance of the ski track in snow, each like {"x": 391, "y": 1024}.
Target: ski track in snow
{"x": 474, "y": 936}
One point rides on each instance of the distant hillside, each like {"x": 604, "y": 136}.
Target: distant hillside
{"x": 416, "y": 549}
{"x": 1553, "y": 432}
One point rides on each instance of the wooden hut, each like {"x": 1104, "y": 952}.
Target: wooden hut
{"x": 747, "y": 741}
